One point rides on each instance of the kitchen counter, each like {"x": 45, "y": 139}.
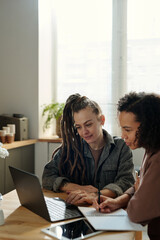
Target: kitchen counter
{"x": 51, "y": 139}
{"x": 17, "y": 144}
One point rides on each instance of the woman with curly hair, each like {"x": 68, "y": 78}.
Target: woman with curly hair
{"x": 139, "y": 117}
{"x": 89, "y": 158}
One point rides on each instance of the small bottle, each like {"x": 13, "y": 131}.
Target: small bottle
{"x": 10, "y": 137}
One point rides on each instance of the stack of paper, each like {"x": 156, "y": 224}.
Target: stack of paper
{"x": 116, "y": 221}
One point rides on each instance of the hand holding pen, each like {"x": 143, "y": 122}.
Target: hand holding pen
{"x": 107, "y": 204}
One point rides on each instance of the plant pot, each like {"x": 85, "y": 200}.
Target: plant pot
{"x": 58, "y": 127}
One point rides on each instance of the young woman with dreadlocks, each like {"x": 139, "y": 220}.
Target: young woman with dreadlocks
{"x": 89, "y": 157}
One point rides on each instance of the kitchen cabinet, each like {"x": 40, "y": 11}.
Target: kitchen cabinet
{"x": 43, "y": 153}
{"x": 51, "y": 148}
{"x": 19, "y": 157}
{"x": 2, "y": 175}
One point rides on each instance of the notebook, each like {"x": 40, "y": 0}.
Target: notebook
{"x": 31, "y": 196}
{"x": 114, "y": 221}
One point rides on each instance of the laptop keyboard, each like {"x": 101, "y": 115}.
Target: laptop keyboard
{"x": 58, "y": 209}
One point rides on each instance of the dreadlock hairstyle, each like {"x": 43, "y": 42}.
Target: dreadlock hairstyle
{"x": 72, "y": 163}
{"x": 146, "y": 108}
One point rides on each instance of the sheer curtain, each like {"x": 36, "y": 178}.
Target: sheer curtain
{"x": 103, "y": 49}
{"x": 143, "y": 46}
{"x": 84, "y": 53}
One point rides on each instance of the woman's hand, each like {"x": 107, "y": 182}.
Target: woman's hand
{"x": 81, "y": 197}
{"x": 88, "y": 188}
{"x": 108, "y": 205}
{"x": 68, "y": 187}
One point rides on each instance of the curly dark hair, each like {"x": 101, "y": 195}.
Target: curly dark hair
{"x": 72, "y": 163}
{"x": 146, "y": 108}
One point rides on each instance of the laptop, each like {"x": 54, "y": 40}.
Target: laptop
{"x": 31, "y": 196}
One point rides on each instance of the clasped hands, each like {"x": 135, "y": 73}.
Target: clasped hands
{"x": 88, "y": 195}
{"x": 79, "y": 197}
{"x": 83, "y": 195}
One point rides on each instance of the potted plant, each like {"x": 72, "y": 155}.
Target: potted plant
{"x": 53, "y": 110}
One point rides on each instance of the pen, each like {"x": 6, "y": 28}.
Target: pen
{"x": 99, "y": 193}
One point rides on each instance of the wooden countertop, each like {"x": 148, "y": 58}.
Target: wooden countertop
{"x": 22, "y": 224}
{"x": 17, "y": 144}
{"x": 51, "y": 139}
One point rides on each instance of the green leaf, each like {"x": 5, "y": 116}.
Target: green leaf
{"x": 52, "y": 111}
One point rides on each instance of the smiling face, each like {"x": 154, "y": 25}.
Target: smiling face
{"x": 89, "y": 126}
{"x": 129, "y": 127}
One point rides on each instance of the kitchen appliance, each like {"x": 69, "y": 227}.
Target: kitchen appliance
{"x": 20, "y": 122}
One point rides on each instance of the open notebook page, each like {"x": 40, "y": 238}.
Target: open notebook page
{"x": 115, "y": 221}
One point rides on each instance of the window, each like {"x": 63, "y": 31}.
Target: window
{"x": 84, "y": 33}
{"x": 96, "y": 57}
{"x": 143, "y": 46}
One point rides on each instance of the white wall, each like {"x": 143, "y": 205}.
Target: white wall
{"x": 19, "y": 60}
{"x": 27, "y": 59}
